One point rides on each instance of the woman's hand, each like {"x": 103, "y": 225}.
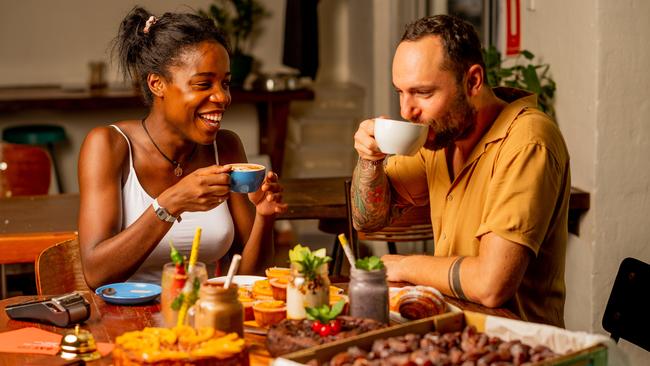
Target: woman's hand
{"x": 268, "y": 199}
{"x": 202, "y": 190}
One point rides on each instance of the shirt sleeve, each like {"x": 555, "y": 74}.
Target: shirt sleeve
{"x": 408, "y": 179}
{"x": 523, "y": 195}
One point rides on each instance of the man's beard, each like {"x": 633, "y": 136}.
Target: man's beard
{"x": 458, "y": 123}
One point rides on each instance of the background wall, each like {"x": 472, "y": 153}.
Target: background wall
{"x": 599, "y": 53}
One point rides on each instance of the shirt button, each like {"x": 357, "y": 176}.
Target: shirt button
{"x": 444, "y": 236}
{"x": 450, "y": 197}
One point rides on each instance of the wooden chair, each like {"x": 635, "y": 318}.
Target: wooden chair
{"x": 413, "y": 226}
{"x": 24, "y": 170}
{"x": 58, "y": 269}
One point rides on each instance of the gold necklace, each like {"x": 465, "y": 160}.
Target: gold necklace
{"x": 178, "y": 170}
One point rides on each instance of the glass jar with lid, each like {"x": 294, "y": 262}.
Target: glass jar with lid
{"x": 219, "y": 308}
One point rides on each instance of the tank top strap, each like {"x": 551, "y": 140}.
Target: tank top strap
{"x": 128, "y": 142}
{"x": 216, "y": 152}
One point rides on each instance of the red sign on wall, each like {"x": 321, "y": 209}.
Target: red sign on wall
{"x": 513, "y": 27}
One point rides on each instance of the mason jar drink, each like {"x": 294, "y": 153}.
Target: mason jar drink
{"x": 172, "y": 284}
{"x": 368, "y": 294}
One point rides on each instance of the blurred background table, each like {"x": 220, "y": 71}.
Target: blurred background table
{"x": 23, "y": 220}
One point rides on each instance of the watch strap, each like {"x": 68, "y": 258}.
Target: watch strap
{"x": 162, "y": 212}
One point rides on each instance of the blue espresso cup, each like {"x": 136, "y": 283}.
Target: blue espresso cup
{"x": 246, "y": 177}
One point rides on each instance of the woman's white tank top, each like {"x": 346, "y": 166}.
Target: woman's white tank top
{"x": 217, "y": 228}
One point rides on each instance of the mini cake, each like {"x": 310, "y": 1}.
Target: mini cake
{"x": 179, "y": 346}
{"x": 292, "y": 335}
{"x": 262, "y": 290}
{"x": 247, "y": 299}
{"x": 269, "y": 312}
{"x": 278, "y": 272}
{"x": 279, "y": 288}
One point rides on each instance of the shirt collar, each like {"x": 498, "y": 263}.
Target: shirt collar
{"x": 517, "y": 100}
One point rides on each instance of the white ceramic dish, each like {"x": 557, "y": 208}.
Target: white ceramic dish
{"x": 240, "y": 280}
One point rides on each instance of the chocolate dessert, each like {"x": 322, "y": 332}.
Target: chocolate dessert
{"x": 293, "y": 335}
{"x": 468, "y": 347}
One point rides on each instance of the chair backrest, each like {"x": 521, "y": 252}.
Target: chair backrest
{"x": 627, "y": 313}
{"x": 414, "y": 225}
{"x": 24, "y": 170}
{"x": 58, "y": 269}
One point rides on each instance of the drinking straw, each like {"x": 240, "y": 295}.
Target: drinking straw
{"x": 347, "y": 250}
{"x": 234, "y": 265}
{"x": 189, "y": 283}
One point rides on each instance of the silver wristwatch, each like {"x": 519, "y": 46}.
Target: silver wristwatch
{"x": 162, "y": 213}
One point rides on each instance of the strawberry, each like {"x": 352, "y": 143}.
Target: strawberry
{"x": 335, "y": 324}
{"x": 315, "y": 326}
{"x": 325, "y": 330}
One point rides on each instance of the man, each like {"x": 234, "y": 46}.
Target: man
{"x": 494, "y": 169}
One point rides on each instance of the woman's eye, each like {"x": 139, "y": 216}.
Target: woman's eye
{"x": 226, "y": 84}
{"x": 203, "y": 85}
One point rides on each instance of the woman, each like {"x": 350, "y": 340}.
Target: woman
{"x": 138, "y": 178}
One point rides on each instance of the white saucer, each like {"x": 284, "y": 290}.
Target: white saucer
{"x": 240, "y": 280}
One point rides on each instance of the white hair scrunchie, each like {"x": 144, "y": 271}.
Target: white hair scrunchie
{"x": 151, "y": 21}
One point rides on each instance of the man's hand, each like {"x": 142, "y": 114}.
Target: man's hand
{"x": 395, "y": 271}
{"x": 364, "y": 141}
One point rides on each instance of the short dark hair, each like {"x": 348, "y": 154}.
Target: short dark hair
{"x": 459, "y": 39}
{"x": 140, "y": 54}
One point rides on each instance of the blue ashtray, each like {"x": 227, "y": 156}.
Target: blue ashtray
{"x": 128, "y": 293}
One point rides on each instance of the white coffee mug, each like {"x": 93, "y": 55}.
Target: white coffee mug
{"x": 399, "y": 137}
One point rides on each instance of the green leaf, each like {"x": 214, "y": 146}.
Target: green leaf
{"x": 308, "y": 262}
{"x": 324, "y": 313}
{"x": 369, "y": 263}
{"x": 527, "y": 54}
{"x": 531, "y": 80}
{"x": 336, "y": 309}
{"x": 320, "y": 253}
{"x": 312, "y": 313}
{"x": 178, "y": 301}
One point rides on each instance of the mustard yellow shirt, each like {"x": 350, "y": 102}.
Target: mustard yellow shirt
{"x": 516, "y": 184}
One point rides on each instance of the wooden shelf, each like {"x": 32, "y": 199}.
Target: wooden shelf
{"x": 272, "y": 107}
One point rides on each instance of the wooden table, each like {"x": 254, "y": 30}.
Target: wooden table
{"x": 109, "y": 321}
{"x": 272, "y": 107}
{"x": 106, "y": 323}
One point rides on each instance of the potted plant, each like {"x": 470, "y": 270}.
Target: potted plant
{"x": 240, "y": 20}
{"x": 523, "y": 75}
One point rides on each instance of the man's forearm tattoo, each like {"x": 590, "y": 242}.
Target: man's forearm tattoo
{"x": 454, "y": 279}
{"x": 370, "y": 196}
